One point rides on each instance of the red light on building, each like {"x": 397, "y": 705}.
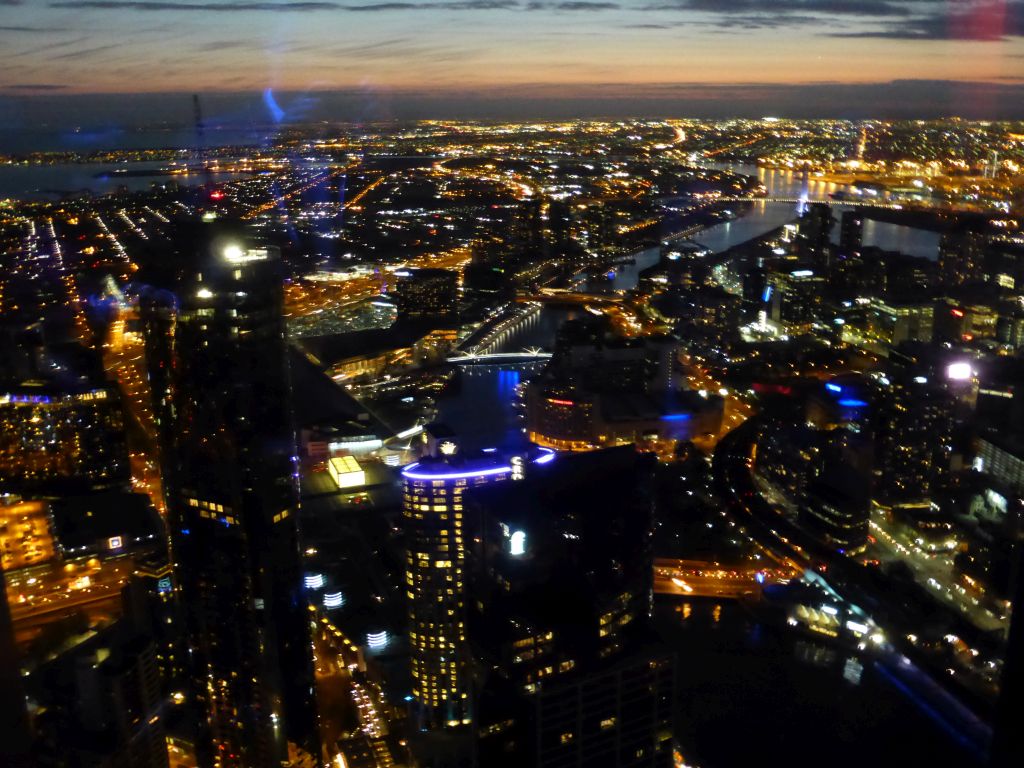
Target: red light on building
{"x": 216, "y": 195}
{"x": 956, "y": 312}
{"x": 560, "y": 402}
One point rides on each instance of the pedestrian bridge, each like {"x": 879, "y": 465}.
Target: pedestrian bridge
{"x": 502, "y": 358}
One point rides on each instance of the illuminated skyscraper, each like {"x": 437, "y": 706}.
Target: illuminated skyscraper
{"x": 429, "y": 294}
{"x": 435, "y": 558}
{"x": 913, "y": 439}
{"x": 961, "y": 255}
{"x": 216, "y": 354}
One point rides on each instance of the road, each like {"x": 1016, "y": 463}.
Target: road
{"x": 734, "y": 483}
{"x": 936, "y": 571}
{"x": 44, "y": 594}
{"x": 693, "y": 578}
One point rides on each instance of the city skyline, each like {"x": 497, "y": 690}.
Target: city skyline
{"x": 330, "y": 436}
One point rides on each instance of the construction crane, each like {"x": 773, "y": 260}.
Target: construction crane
{"x": 200, "y": 155}
{"x": 213, "y": 193}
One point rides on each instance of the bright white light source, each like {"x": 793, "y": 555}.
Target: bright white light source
{"x": 517, "y": 543}
{"x": 334, "y": 600}
{"x": 314, "y": 580}
{"x": 233, "y": 252}
{"x": 204, "y": 293}
{"x": 377, "y": 640}
{"x": 346, "y": 472}
{"x": 959, "y": 371}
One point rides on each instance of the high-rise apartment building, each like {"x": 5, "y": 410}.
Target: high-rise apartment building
{"x": 427, "y": 294}
{"x": 434, "y": 520}
{"x": 961, "y": 255}
{"x": 912, "y": 439}
{"x": 215, "y": 346}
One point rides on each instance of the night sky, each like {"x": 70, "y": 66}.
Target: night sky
{"x": 506, "y": 58}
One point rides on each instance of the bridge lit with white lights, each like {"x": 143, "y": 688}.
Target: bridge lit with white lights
{"x": 503, "y": 358}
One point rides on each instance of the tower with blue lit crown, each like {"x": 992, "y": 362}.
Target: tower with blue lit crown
{"x": 432, "y": 504}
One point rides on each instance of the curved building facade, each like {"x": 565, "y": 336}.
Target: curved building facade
{"x": 432, "y": 505}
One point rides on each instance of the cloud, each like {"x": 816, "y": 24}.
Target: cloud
{"x": 32, "y": 86}
{"x": 979, "y": 20}
{"x": 733, "y": 8}
{"x": 456, "y": 5}
{"x": 48, "y": 47}
{"x": 984, "y": 21}
{"x": 85, "y": 52}
{"x": 221, "y": 45}
{"x": 572, "y": 5}
{"x": 31, "y": 30}
{"x": 161, "y": 5}
{"x": 299, "y": 6}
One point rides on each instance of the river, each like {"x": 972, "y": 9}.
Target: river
{"x": 763, "y": 217}
{"x": 483, "y": 413}
{"x": 45, "y": 182}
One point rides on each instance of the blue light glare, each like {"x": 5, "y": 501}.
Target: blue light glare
{"x": 677, "y": 417}
{"x": 851, "y": 402}
{"x": 833, "y": 387}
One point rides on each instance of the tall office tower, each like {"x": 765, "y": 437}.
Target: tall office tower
{"x": 912, "y": 439}
{"x": 961, "y": 255}
{"x": 559, "y": 574}
{"x": 812, "y": 233}
{"x": 215, "y": 347}
{"x": 851, "y": 234}
{"x": 430, "y": 294}
{"x": 433, "y": 518}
